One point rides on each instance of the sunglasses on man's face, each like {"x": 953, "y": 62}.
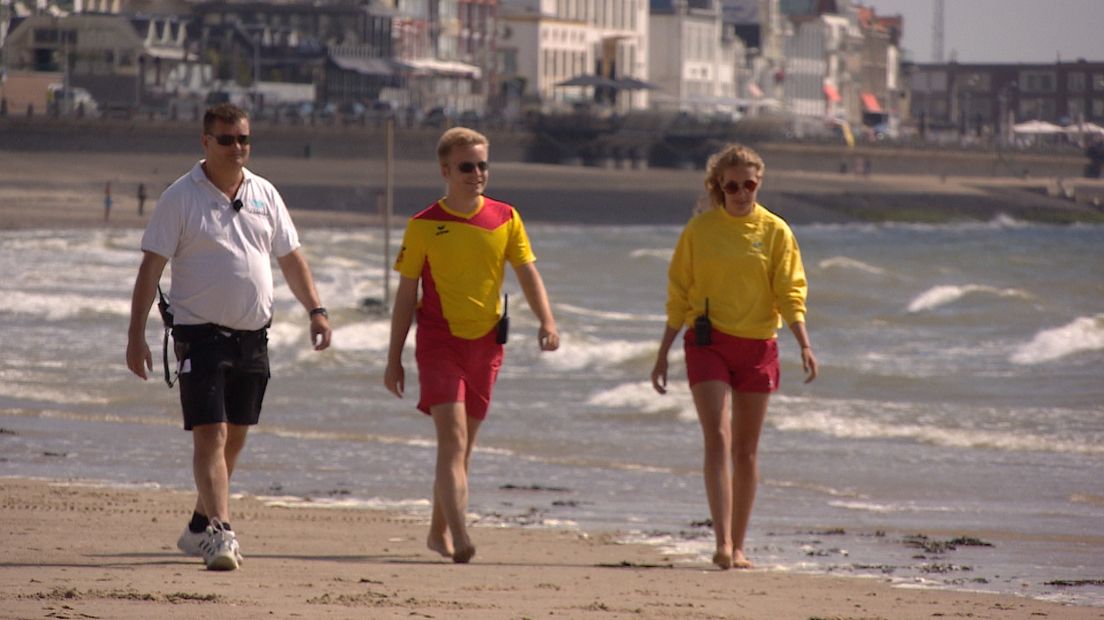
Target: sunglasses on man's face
{"x": 468, "y": 167}
{"x": 228, "y": 139}
{"x": 733, "y": 187}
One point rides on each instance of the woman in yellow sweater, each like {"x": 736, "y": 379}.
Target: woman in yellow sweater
{"x": 735, "y": 272}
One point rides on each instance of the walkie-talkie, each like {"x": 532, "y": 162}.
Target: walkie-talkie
{"x": 167, "y": 322}
{"x": 504, "y": 322}
{"x": 703, "y": 328}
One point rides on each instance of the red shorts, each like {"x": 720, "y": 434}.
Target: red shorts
{"x": 747, "y": 364}
{"x": 456, "y": 370}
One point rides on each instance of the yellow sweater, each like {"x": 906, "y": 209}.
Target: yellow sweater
{"x": 748, "y": 267}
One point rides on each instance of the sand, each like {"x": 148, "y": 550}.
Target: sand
{"x": 82, "y": 551}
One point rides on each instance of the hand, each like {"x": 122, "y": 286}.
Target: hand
{"x": 548, "y": 338}
{"x": 138, "y": 357}
{"x": 320, "y": 332}
{"x": 394, "y": 379}
{"x": 659, "y": 374}
{"x": 808, "y": 363}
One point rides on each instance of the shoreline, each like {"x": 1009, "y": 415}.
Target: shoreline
{"x": 316, "y": 561}
{"x": 66, "y": 189}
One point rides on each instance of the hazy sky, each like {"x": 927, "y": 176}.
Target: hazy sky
{"x": 1003, "y": 30}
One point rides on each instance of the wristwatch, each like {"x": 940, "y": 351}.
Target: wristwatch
{"x": 319, "y": 310}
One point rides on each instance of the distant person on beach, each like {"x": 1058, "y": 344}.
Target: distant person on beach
{"x": 220, "y": 224}
{"x": 458, "y": 248}
{"x": 107, "y": 201}
{"x": 735, "y": 271}
{"x": 141, "y": 199}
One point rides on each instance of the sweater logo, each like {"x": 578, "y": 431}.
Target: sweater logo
{"x": 441, "y": 230}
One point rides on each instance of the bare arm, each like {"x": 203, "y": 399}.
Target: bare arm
{"x": 659, "y": 371}
{"x": 808, "y": 360}
{"x": 533, "y": 287}
{"x": 402, "y": 317}
{"x": 298, "y": 276}
{"x": 138, "y": 356}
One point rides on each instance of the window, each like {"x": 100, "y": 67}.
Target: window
{"x": 1098, "y": 81}
{"x": 1075, "y": 82}
{"x": 1098, "y": 108}
{"x": 1037, "y": 82}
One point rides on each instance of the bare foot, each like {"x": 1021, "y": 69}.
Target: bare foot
{"x": 440, "y": 544}
{"x": 722, "y": 559}
{"x": 739, "y": 561}
{"x": 463, "y": 555}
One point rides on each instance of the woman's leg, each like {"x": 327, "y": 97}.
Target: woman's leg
{"x": 455, "y": 439}
{"x": 709, "y": 400}
{"x": 749, "y": 409}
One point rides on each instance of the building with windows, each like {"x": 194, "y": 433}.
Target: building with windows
{"x": 986, "y": 100}
{"x": 542, "y": 43}
{"x": 693, "y": 60}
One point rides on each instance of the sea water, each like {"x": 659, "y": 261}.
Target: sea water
{"x": 961, "y": 397}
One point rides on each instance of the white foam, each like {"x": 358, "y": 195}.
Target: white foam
{"x": 944, "y": 294}
{"x": 577, "y": 354}
{"x": 373, "y": 503}
{"x": 608, "y": 315}
{"x": 640, "y": 396}
{"x": 363, "y": 336}
{"x": 1082, "y": 334}
{"x": 661, "y": 253}
{"x": 843, "y": 262}
{"x": 61, "y": 306}
{"x": 837, "y": 425}
{"x": 890, "y": 508}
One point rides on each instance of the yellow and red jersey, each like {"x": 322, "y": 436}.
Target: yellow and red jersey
{"x": 748, "y": 267}
{"x": 461, "y": 261}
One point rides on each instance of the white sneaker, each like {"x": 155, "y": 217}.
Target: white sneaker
{"x": 220, "y": 547}
{"x": 189, "y": 542}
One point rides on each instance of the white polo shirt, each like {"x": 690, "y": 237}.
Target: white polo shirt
{"x": 221, "y": 258}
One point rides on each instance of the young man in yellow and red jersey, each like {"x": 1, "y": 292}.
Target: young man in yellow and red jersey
{"x": 458, "y": 248}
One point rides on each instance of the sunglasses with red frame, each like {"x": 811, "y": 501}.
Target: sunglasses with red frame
{"x": 732, "y": 187}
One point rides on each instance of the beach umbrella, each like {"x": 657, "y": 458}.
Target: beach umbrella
{"x": 631, "y": 83}
{"x": 588, "y": 80}
{"x": 1036, "y": 128}
{"x": 1085, "y": 128}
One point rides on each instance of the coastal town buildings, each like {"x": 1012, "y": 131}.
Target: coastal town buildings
{"x": 545, "y": 44}
{"x": 985, "y": 101}
{"x": 693, "y": 59}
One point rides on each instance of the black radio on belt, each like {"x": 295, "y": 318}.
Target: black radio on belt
{"x": 504, "y": 323}
{"x": 703, "y": 328}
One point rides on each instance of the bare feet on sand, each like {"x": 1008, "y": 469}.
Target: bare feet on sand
{"x": 440, "y": 544}
{"x": 463, "y": 555}
{"x": 739, "y": 561}
{"x": 723, "y": 559}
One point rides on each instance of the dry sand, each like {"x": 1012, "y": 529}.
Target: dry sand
{"x": 78, "y": 551}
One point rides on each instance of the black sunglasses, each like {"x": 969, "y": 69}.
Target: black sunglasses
{"x": 732, "y": 187}
{"x": 228, "y": 139}
{"x": 468, "y": 167}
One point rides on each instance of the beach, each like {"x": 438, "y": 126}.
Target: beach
{"x": 942, "y": 425}
{"x": 74, "y": 550}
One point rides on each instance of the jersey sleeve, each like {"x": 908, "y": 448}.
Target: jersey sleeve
{"x": 518, "y": 250}
{"x": 285, "y": 238}
{"x": 412, "y": 255}
{"x": 162, "y": 235}
{"x": 788, "y": 281}
{"x": 679, "y": 278}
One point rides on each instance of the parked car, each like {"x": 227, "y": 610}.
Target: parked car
{"x": 74, "y": 100}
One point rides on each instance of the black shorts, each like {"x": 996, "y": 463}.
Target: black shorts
{"x": 223, "y": 374}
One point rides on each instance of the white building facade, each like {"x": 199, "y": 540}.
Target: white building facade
{"x": 542, "y": 43}
{"x": 818, "y": 80}
{"x": 692, "y": 62}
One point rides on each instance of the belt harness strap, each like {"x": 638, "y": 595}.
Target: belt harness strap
{"x": 167, "y": 321}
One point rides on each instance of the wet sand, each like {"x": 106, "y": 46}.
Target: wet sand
{"x": 79, "y": 551}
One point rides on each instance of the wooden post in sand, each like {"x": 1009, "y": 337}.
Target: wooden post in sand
{"x": 388, "y": 206}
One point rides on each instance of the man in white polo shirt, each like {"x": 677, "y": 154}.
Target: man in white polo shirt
{"x": 220, "y": 224}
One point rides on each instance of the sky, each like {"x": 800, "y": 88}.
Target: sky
{"x": 1012, "y": 31}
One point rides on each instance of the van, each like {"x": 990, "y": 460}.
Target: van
{"x": 75, "y": 100}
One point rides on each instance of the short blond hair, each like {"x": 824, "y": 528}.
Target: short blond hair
{"x": 731, "y": 155}
{"x": 458, "y": 136}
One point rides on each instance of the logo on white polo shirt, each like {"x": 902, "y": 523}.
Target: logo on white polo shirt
{"x": 256, "y": 205}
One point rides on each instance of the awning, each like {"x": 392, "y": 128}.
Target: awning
{"x": 831, "y": 93}
{"x": 870, "y": 104}
{"x": 754, "y": 90}
{"x": 364, "y": 65}
{"x": 433, "y": 66}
